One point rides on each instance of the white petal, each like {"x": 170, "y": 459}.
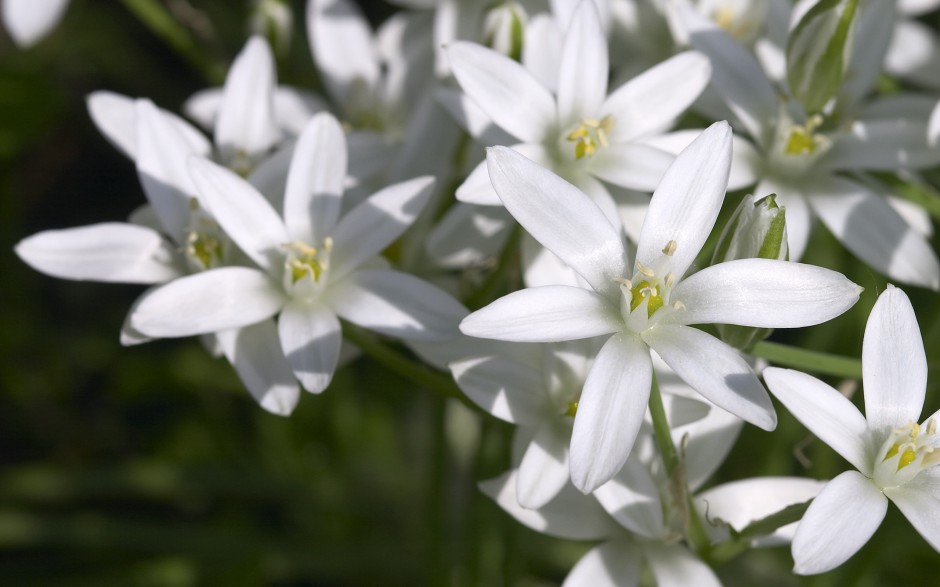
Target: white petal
{"x": 343, "y": 47}
{"x": 715, "y": 370}
{"x": 246, "y": 124}
{"x": 740, "y": 503}
{"x": 111, "y": 252}
{"x": 839, "y": 522}
{"x": 674, "y": 566}
{"x": 686, "y": 203}
{"x": 710, "y": 439}
{"x": 210, "y": 301}
{"x": 28, "y": 21}
{"x": 242, "y": 212}
{"x": 652, "y": 101}
{"x": 544, "y": 314}
{"x": 543, "y": 471}
{"x": 506, "y": 384}
{"x": 256, "y": 354}
{"x": 543, "y": 267}
{"x": 612, "y": 564}
{"x": 570, "y": 515}
{"x": 162, "y": 156}
{"x": 736, "y": 75}
{"x": 746, "y": 162}
{"x": 827, "y": 413}
{"x": 799, "y": 221}
{"x": 933, "y": 127}
{"x": 560, "y": 217}
{"x": 632, "y": 498}
{"x": 631, "y": 165}
{"x": 583, "y": 68}
{"x": 503, "y": 89}
{"x": 369, "y": 154}
{"x": 873, "y": 27}
{"x": 310, "y": 338}
{"x": 114, "y": 116}
{"x": 919, "y": 501}
{"x": 372, "y": 225}
{"x": 396, "y": 304}
{"x": 471, "y": 118}
{"x": 881, "y": 145}
{"x": 894, "y": 366}
{"x": 874, "y": 232}
{"x": 203, "y": 107}
{"x": 315, "y": 184}
{"x": 541, "y": 51}
{"x": 765, "y": 293}
{"x": 610, "y": 411}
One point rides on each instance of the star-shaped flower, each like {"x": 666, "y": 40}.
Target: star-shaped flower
{"x": 895, "y": 456}
{"x": 648, "y": 304}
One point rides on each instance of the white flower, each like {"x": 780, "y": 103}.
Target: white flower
{"x": 28, "y": 21}
{"x": 648, "y": 304}
{"x": 313, "y": 266}
{"x": 805, "y": 161}
{"x": 895, "y": 456}
{"x": 579, "y": 131}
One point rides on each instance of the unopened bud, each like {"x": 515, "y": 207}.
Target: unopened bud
{"x": 757, "y": 229}
{"x": 274, "y": 20}
{"x": 503, "y": 28}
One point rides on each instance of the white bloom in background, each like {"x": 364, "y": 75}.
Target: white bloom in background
{"x": 648, "y": 304}
{"x": 895, "y": 456}
{"x": 537, "y": 387}
{"x": 914, "y": 53}
{"x": 638, "y": 520}
{"x": 579, "y": 131}
{"x": 312, "y": 265}
{"x": 381, "y": 87}
{"x": 28, "y": 21}
{"x": 806, "y": 163}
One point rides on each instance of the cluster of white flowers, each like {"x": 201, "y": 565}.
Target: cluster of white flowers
{"x": 610, "y": 132}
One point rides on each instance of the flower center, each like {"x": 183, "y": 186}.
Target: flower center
{"x": 649, "y": 288}
{"x": 908, "y": 451}
{"x": 803, "y": 139}
{"x": 306, "y": 268}
{"x": 590, "y": 134}
{"x": 204, "y": 246}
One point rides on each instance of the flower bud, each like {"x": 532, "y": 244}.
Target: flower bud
{"x": 274, "y": 20}
{"x": 757, "y": 229}
{"x": 503, "y": 28}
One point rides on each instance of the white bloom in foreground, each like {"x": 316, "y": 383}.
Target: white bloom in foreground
{"x": 28, "y": 21}
{"x": 648, "y": 304}
{"x": 313, "y": 266}
{"x": 895, "y": 456}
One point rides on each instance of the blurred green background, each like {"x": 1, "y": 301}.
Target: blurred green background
{"x": 151, "y": 466}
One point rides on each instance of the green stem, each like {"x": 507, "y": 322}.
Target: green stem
{"x": 661, "y": 430}
{"x": 815, "y": 361}
{"x": 675, "y": 472}
{"x": 741, "y": 541}
{"x": 404, "y": 366}
{"x": 162, "y": 24}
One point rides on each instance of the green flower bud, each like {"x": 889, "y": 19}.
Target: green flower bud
{"x": 503, "y": 28}
{"x": 757, "y": 229}
{"x": 274, "y": 20}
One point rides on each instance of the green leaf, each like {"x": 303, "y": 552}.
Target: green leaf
{"x": 818, "y": 52}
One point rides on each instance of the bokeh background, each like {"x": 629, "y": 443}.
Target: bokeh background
{"x": 151, "y": 466}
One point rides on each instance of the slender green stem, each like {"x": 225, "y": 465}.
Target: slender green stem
{"x": 494, "y": 281}
{"x": 815, "y": 361}
{"x": 661, "y": 429}
{"x": 741, "y": 541}
{"x": 675, "y": 472}
{"x": 162, "y": 24}
{"x": 403, "y": 365}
